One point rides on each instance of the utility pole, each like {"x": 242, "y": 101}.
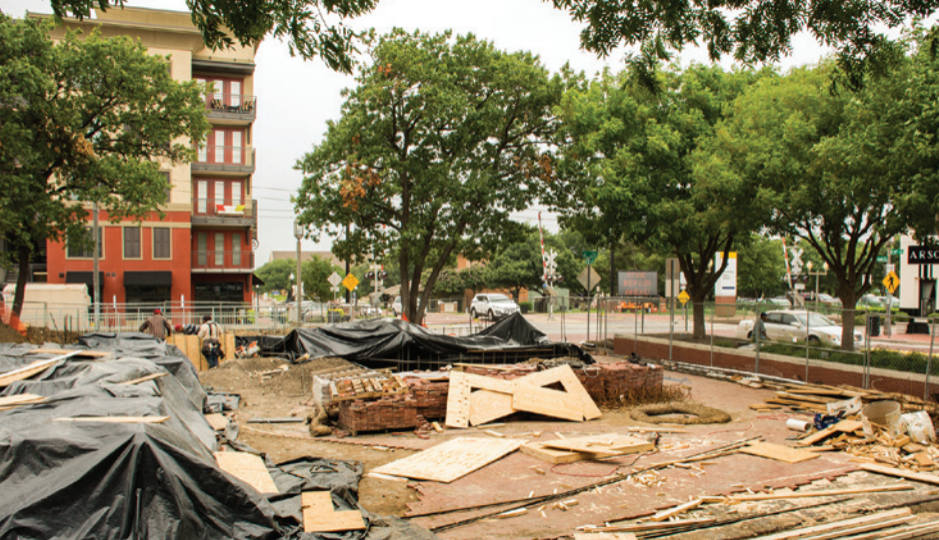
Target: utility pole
{"x": 298, "y": 233}
{"x": 348, "y": 266}
{"x": 96, "y": 280}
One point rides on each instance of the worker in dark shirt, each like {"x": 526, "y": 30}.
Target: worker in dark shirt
{"x": 157, "y": 326}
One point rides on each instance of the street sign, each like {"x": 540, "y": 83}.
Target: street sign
{"x": 334, "y": 288}
{"x": 350, "y": 282}
{"x": 590, "y": 257}
{"x": 881, "y": 258}
{"x": 334, "y": 279}
{"x": 594, "y": 278}
{"x": 897, "y": 251}
{"x": 683, "y": 297}
{"x": 891, "y": 282}
{"x": 890, "y": 268}
{"x": 800, "y": 286}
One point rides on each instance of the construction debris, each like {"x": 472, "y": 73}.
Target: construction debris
{"x": 451, "y": 460}
{"x": 586, "y": 448}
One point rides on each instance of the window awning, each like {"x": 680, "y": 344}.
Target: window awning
{"x": 148, "y": 279}
{"x": 256, "y": 281}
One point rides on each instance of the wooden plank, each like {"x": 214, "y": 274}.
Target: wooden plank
{"x": 20, "y": 399}
{"x": 538, "y": 450}
{"x": 249, "y": 468}
{"x": 319, "y": 515}
{"x": 458, "y": 401}
{"x": 665, "y": 514}
{"x": 72, "y": 352}
{"x": 451, "y": 460}
{"x": 902, "y": 473}
{"x": 919, "y": 530}
{"x": 820, "y": 493}
{"x": 217, "y": 421}
{"x": 644, "y": 527}
{"x": 545, "y": 401}
{"x": 146, "y": 378}
{"x": 778, "y": 452}
{"x": 604, "y": 536}
{"x": 844, "y": 426}
{"x": 837, "y": 526}
{"x": 605, "y": 443}
{"x": 488, "y": 383}
{"x": 25, "y": 372}
{"x": 486, "y": 406}
{"x": 116, "y": 419}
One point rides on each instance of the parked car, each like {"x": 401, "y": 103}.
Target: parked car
{"x": 396, "y": 308}
{"x": 493, "y": 306}
{"x": 791, "y": 325}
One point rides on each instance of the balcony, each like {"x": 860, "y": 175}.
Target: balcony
{"x": 222, "y": 262}
{"x": 225, "y": 160}
{"x": 232, "y": 109}
{"x": 222, "y": 213}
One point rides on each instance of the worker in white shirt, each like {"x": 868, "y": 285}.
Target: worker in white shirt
{"x": 209, "y": 333}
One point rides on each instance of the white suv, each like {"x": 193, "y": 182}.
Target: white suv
{"x": 493, "y": 306}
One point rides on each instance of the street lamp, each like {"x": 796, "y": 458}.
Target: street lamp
{"x": 298, "y": 233}
{"x": 817, "y": 274}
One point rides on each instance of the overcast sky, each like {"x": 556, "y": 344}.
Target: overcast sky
{"x": 296, "y": 98}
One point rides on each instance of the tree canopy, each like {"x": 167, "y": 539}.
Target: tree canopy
{"x": 87, "y": 119}
{"x": 519, "y": 265}
{"x": 437, "y": 145}
{"x": 276, "y": 275}
{"x": 315, "y": 274}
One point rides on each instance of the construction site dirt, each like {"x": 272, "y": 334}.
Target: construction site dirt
{"x": 453, "y": 510}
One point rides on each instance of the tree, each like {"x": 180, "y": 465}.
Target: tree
{"x": 519, "y": 265}
{"x": 761, "y": 268}
{"x": 751, "y": 30}
{"x": 636, "y": 160}
{"x": 437, "y": 145}
{"x": 820, "y": 159}
{"x": 316, "y": 272}
{"x": 314, "y": 27}
{"x": 276, "y": 275}
{"x": 86, "y": 119}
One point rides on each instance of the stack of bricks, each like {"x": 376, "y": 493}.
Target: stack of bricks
{"x": 431, "y": 396}
{"x": 604, "y": 380}
{"x": 390, "y": 412}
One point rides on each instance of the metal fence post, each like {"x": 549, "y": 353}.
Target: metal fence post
{"x": 932, "y": 340}
{"x": 713, "y": 311}
{"x": 671, "y": 328}
{"x": 808, "y": 340}
{"x": 758, "y": 333}
{"x": 867, "y": 349}
{"x": 636, "y": 332}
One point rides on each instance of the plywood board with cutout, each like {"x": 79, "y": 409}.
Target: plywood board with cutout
{"x": 451, "y": 460}
{"x": 486, "y": 406}
{"x": 607, "y": 443}
{"x": 778, "y": 452}
{"x": 565, "y": 375}
{"x": 553, "y": 403}
{"x": 249, "y": 468}
{"x": 319, "y": 515}
{"x": 458, "y": 401}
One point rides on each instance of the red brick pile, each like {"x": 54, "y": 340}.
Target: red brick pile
{"x": 431, "y": 396}
{"x": 390, "y": 412}
{"x": 604, "y": 380}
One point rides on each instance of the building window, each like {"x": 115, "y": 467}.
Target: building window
{"x": 236, "y": 250}
{"x": 169, "y": 186}
{"x": 202, "y": 246}
{"x": 161, "y": 243}
{"x": 202, "y": 196}
{"x": 79, "y": 252}
{"x": 131, "y": 242}
{"x": 219, "y": 249}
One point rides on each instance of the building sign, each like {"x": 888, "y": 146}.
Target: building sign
{"x": 726, "y": 284}
{"x": 923, "y": 255}
{"x": 638, "y": 283}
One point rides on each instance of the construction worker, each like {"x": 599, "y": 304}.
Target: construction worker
{"x": 157, "y": 326}
{"x": 209, "y": 333}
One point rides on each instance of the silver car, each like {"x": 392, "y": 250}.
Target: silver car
{"x": 792, "y": 325}
{"x": 494, "y": 306}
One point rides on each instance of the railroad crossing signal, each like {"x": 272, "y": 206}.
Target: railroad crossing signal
{"x": 796, "y": 263}
{"x": 891, "y": 281}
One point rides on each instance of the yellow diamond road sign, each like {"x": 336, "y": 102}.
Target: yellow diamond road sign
{"x": 891, "y": 281}
{"x": 350, "y": 282}
{"x": 683, "y": 297}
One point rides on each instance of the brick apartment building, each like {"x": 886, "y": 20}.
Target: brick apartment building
{"x": 203, "y": 250}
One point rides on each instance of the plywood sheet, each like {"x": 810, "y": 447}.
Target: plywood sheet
{"x": 320, "y": 516}
{"x": 451, "y": 460}
{"x": 565, "y": 375}
{"x": 548, "y": 402}
{"x": 606, "y": 443}
{"x": 538, "y": 450}
{"x": 217, "y": 421}
{"x": 486, "y": 406}
{"x": 778, "y": 452}
{"x": 249, "y": 468}
{"x": 228, "y": 346}
{"x": 458, "y": 401}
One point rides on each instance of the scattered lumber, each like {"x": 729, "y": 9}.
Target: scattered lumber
{"x": 116, "y": 419}
{"x": 319, "y": 515}
{"x": 604, "y": 536}
{"x": 591, "y": 447}
{"x": 672, "y": 512}
{"x": 669, "y": 526}
{"x": 25, "y": 372}
{"x": 820, "y": 493}
{"x": 71, "y": 352}
{"x": 11, "y": 402}
{"x": 145, "y": 378}
{"x": 845, "y": 527}
{"x": 476, "y": 399}
{"x": 901, "y": 473}
{"x": 249, "y": 468}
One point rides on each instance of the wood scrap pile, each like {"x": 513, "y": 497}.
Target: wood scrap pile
{"x": 601, "y": 446}
{"x": 816, "y": 398}
{"x": 476, "y": 399}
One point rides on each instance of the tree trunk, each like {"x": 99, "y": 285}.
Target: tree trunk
{"x": 848, "y": 297}
{"x": 697, "y": 311}
{"x": 25, "y": 254}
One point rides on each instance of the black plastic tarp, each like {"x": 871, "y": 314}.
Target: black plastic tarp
{"x": 385, "y": 339}
{"x": 78, "y": 480}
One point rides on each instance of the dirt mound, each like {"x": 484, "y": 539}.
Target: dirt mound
{"x": 34, "y": 335}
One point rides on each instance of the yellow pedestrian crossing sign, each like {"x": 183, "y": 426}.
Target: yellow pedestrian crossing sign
{"x": 350, "y": 282}
{"x": 891, "y": 281}
{"x": 683, "y": 297}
